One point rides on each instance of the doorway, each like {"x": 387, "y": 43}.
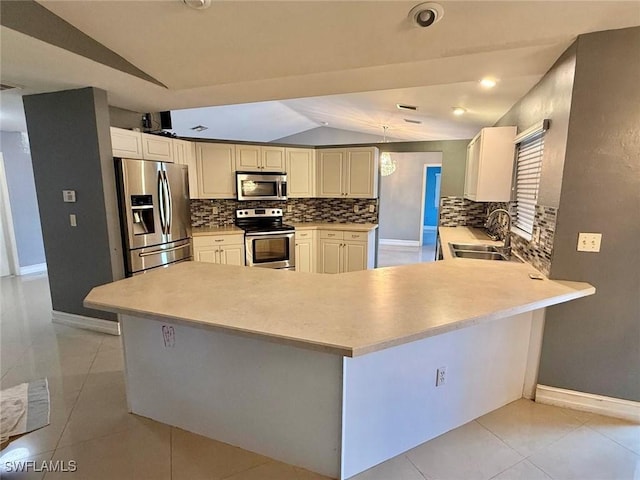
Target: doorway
{"x": 430, "y": 204}
{"x": 8, "y": 251}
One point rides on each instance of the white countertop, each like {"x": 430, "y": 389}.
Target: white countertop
{"x": 352, "y": 227}
{"x": 349, "y": 314}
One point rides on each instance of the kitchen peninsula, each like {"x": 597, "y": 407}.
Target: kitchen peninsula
{"x": 333, "y": 373}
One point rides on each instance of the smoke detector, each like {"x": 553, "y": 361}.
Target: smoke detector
{"x": 424, "y": 15}
{"x": 197, "y": 4}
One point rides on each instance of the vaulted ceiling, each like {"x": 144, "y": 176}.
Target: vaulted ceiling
{"x": 343, "y": 63}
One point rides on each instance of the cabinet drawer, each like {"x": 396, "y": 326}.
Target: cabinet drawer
{"x": 332, "y": 234}
{"x": 304, "y": 234}
{"x": 214, "y": 240}
{"x": 356, "y": 236}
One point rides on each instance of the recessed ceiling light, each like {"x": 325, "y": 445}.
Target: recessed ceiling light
{"x": 488, "y": 82}
{"x": 199, "y": 128}
{"x": 459, "y": 111}
{"x": 402, "y": 106}
{"x": 409, "y": 120}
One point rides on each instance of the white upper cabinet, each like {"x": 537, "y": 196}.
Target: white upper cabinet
{"x": 301, "y": 172}
{"x": 184, "y": 153}
{"x": 256, "y": 158}
{"x": 126, "y": 143}
{"x": 216, "y": 170}
{"x": 156, "y": 147}
{"x": 348, "y": 172}
{"x": 490, "y": 159}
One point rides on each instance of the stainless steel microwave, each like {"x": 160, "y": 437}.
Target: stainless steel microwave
{"x": 261, "y": 186}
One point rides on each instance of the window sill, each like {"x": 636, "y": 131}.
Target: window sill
{"x": 521, "y": 233}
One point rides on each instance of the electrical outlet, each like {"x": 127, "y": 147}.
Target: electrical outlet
{"x": 289, "y": 208}
{"x": 589, "y": 242}
{"x": 356, "y": 208}
{"x": 441, "y": 376}
{"x": 536, "y": 236}
{"x": 214, "y": 210}
{"x": 372, "y": 209}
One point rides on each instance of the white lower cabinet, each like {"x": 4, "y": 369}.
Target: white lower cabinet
{"x": 306, "y": 251}
{"x": 223, "y": 249}
{"x": 345, "y": 251}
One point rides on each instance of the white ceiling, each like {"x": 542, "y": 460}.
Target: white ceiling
{"x": 346, "y": 63}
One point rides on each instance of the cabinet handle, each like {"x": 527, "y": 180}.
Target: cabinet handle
{"x": 220, "y": 240}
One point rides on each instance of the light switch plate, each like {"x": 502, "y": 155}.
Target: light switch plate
{"x": 68, "y": 196}
{"x": 372, "y": 208}
{"x": 72, "y": 220}
{"x": 589, "y": 242}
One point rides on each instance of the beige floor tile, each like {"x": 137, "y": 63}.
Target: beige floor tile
{"x": 111, "y": 342}
{"x": 623, "y": 432}
{"x": 108, "y": 360}
{"x": 307, "y": 475}
{"x": 194, "y": 457}
{"x": 14, "y": 466}
{"x": 527, "y": 426}
{"x": 398, "y": 468}
{"x": 274, "y": 471}
{"x": 524, "y": 470}
{"x": 141, "y": 453}
{"x": 469, "y": 452}
{"x": 101, "y": 410}
{"x": 585, "y": 454}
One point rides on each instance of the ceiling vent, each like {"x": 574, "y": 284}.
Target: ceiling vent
{"x": 402, "y": 106}
{"x": 199, "y": 128}
{"x": 408, "y": 120}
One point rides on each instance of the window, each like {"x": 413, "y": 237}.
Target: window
{"x": 529, "y": 147}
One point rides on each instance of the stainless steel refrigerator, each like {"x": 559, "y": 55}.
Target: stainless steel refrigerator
{"x": 154, "y": 213}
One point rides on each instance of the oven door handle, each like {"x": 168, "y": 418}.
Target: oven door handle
{"x": 273, "y": 234}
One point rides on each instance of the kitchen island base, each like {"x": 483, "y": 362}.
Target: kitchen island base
{"x": 331, "y": 414}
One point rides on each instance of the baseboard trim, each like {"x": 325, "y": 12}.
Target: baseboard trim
{"x": 86, "y": 323}
{"x": 30, "y": 269}
{"x": 399, "y": 243}
{"x": 588, "y": 402}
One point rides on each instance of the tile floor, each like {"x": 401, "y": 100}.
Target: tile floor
{"x": 392, "y": 255}
{"x": 90, "y": 424}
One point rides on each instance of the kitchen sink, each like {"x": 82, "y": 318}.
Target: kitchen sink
{"x": 479, "y": 255}
{"x": 471, "y": 247}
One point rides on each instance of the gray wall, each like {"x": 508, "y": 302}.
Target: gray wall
{"x": 71, "y": 149}
{"x": 22, "y": 197}
{"x": 593, "y": 345}
{"x": 454, "y": 161}
{"x": 330, "y": 136}
{"x": 550, "y": 98}
{"x": 401, "y": 196}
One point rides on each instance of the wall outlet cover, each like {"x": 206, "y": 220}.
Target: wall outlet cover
{"x": 356, "y": 208}
{"x": 372, "y": 209}
{"x": 589, "y": 242}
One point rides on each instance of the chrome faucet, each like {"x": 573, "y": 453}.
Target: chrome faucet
{"x": 507, "y": 236}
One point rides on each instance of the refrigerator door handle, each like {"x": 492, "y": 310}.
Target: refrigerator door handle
{"x": 163, "y": 250}
{"x": 161, "y": 202}
{"x": 169, "y": 202}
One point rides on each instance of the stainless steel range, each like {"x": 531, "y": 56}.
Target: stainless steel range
{"x": 268, "y": 242}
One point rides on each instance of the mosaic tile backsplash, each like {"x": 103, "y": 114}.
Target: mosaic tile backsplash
{"x": 457, "y": 211}
{"x": 330, "y": 210}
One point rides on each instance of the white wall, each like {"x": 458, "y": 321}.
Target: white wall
{"x": 401, "y": 196}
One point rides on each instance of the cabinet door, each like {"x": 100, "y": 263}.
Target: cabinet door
{"x": 304, "y": 256}
{"x": 155, "y": 147}
{"x": 208, "y": 255}
{"x": 216, "y": 170}
{"x": 125, "y": 143}
{"x": 331, "y": 172}
{"x": 232, "y": 255}
{"x": 471, "y": 176}
{"x": 273, "y": 159}
{"x": 361, "y": 173}
{"x": 355, "y": 256}
{"x": 248, "y": 158}
{"x": 330, "y": 256}
{"x": 301, "y": 172}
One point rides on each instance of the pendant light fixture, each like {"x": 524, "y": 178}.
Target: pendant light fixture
{"x": 387, "y": 164}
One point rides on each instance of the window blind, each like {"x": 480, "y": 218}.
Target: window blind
{"x": 530, "y": 148}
